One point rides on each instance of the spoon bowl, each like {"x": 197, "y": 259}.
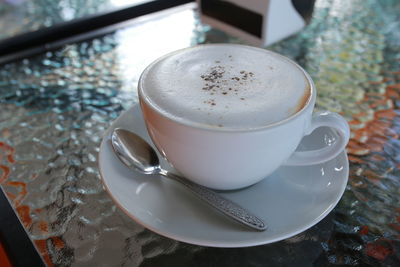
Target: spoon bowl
{"x": 135, "y": 152}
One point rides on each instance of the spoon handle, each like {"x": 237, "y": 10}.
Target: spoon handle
{"x": 226, "y": 206}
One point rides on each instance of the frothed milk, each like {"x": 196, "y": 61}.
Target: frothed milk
{"x": 225, "y": 86}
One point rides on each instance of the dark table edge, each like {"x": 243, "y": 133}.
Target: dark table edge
{"x": 30, "y": 43}
{"x": 16, "y": 242}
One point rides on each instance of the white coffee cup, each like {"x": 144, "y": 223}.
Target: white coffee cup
{"x": 230, "y": 157}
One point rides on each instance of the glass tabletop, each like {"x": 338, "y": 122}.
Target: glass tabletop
{"x": 21, "y": 16}
{"x": 56, "y": 106}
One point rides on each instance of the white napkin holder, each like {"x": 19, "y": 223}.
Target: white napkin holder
{"x": 258, "y": 22}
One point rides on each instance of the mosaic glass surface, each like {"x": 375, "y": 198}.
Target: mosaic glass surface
{"x": 20, "y": 16}
{"x": 56, "y": 106}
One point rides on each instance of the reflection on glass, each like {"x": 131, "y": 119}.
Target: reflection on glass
{"x": 139, "y": 45}
{"x": 21, "y": 16}
{"x": 122, "y": 3}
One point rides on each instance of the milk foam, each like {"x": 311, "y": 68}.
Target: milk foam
{"x": 229, "y": 86}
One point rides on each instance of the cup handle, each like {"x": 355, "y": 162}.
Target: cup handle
{"x": 329, "y": 119}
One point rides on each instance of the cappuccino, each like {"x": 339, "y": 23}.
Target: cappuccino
{"x": 225, "y": 86}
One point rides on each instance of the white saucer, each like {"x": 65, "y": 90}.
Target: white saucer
{"x": 291, "y": 200}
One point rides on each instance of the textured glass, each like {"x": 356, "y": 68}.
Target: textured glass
{"x": 20, "y": 16}
{"x": 56, "y": 106}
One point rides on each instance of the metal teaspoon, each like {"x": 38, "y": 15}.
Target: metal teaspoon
{"x": 138, "y": 155}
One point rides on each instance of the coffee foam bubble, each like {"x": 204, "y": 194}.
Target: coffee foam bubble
{"x": 236, "y": 87}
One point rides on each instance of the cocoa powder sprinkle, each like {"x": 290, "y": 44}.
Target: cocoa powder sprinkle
{"x": 217, "y": 79}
